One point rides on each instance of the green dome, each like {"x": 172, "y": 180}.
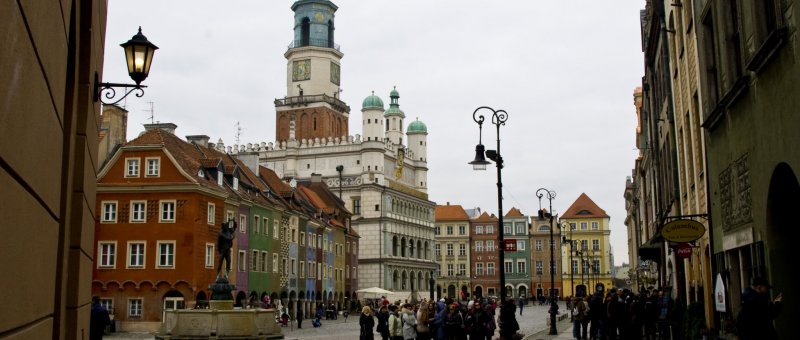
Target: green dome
{"x": 417, "y": 127}
{"x": 394, "y": 93}
{"x": 394, "y": 105}
{"x": 372, "y": 102}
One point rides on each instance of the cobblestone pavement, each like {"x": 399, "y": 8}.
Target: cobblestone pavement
{"x": 533, "y": 321}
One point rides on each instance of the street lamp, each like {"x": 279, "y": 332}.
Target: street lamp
{"x": 553, "y": 305}
{"x": 499, "y": 118}
{"x": 431, "y": 282}
{"x": 138, "y": 56}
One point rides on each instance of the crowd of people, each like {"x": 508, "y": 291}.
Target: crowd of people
{"x": 444, "y": 319}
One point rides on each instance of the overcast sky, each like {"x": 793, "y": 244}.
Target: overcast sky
{"x": 565, "y": 72}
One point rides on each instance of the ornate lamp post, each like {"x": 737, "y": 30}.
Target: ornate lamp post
{"x": 499, "y": 118}
{"x": 553, "y": 305}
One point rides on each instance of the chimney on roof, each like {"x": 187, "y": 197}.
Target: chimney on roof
{"x": 201, "y": 140}
{"x": 316, "y": 178}
{"x": 168, "y": 127}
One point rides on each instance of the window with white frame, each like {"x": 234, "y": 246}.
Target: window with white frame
{"x": 462, "y": 269}
{"x": 521, "y": 266}
{"x": 254, "y": 260}
{"x": 219, "y": 178}
{"x": 437, "y": 230}
{"x": 584, "y": 244}
{"x": 302, "y": 238}
{"x": 538, "y": 245}
{"x": 132, "y": 167}
{"x": 573, "y": 226}
{"x": 490, "y": 245}
{"x": 479, "y": 229}
{"x": 167, "y": 211}
{"x": 595, "y": 226}
{"x": 584, "y": 226}
{"x": 209, "y": 255}
{"x": 235, "y": 183}
{"x": 243, "y": 224}
{"x": 462, "y": 249}
{"x": 166, "y": 254}
{"x": 265, "y": 225}
{"x": 153, "y": 166}
{"x": 539, "y": 268}
{"x": 242, "y": 259}
{"x": 138, "y": 211}
{"x": 275, "y": 232}
{"x": 595, "y": 245}
{"x": 211, "y": 214}
{"x": 135, "y": 308}
{"x": 108, "y": 304}
{"x": 507, "y": 228}
{"x": 490, "y": 229}
{"x": 274, "y": 263}
{"x": 107, "y": 254}
{"x": 136, "y": 254}
{"x": 293, "y": 266}
{"x": 449, "y": 269}
{"x": 490, "y": 268}
{"x": 479, "y": 268}
{"x": 462, "y": 230}
{"x": 438, "y": 250}
{"x": 478, "y": 246}
{"x": 109, "y": 212}
{"x": 521, "y": 229}
{"x": 356, "y": 206}
{"x": 509, "y": 266}
{"x": 520, "y": 245}
{"x": 449, "y": 230}
{"x": 302, "y": 271}
{"x": 264, "y": 261}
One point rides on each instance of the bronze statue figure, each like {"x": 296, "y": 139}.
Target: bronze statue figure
{"x": 224, "y": 245}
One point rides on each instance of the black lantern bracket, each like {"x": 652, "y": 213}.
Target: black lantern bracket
{"x": 138, "y": 57}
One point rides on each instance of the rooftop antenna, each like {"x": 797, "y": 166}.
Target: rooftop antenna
{"x": 152, "y": 112}
{"x": 239, "y": 129}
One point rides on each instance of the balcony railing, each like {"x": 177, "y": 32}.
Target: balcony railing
{"x": 314, "y": 42}
{"x": 305, "y": 100}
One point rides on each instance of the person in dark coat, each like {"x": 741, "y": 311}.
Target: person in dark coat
{"x": 755, "y": 318}
{"x": 98, "y": 320}
{"x": 383, "y": 322}
{"x": 299, "y": 318}
{"x": 366, "y": 321}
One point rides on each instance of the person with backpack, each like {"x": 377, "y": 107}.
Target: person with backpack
{"x": 580, "y": 317}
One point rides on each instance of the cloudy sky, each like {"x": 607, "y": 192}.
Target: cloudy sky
{"x": 565, "y": 72}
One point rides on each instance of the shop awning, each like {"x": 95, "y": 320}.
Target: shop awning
{"x": 652, "y": 249}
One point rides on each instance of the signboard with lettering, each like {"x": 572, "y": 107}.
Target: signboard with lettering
{"x": 684, "y": 251}
{"x": 682, "y": 231}
{"x": 509, "y": 245}
{"x": 719, "y": 295}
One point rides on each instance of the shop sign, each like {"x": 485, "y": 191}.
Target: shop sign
{"x": 684, "y": 251}
{"x": 682, "y": 231}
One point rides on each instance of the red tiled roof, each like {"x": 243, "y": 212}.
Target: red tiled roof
{"x": 274, "y": 182}
{"x": 514, "y": 212}
{"x": 450, "y": 213}
{"x": 584, "y": 207}
{"x": 209, "y": 162}
{"x": 485, "y": 217}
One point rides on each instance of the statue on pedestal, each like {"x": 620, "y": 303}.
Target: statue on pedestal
{"x": 224, "y": 245}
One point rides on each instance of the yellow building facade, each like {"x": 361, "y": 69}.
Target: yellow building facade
{"x": 586, "y": 256}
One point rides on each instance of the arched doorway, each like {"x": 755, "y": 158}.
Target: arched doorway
{"x": 479, "y": 291}
{"x": 451, "y": 291}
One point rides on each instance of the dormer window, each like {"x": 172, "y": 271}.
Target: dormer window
{"x": 200, "y": 173}
{"x": 219, "y": 178}
{"x": 235, "y": 183}
{"x": 132, "y": 167}
{"x": 153, "y": 166}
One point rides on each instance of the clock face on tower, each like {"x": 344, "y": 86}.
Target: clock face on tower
{"x": 335, "y": 73}
{"x": 301, "y": 70}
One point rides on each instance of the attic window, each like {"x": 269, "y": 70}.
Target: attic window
{"x": 219, "y": 178}
{"x": 235, "y": 183}
{"x": 200, "y": 173}
{"x": 584, "y": 212}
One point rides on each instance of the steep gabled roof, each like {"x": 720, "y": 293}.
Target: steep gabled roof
{"x": 485, "y": 217}
{"x": 584, "y": 207}
{"x": 274, "y": 182}
{"x": 514, "y": 212}
{"x": 450, "y": 213}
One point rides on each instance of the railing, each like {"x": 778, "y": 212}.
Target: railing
{"x": 314, "y": 42}
{"x": 305, "y": 100}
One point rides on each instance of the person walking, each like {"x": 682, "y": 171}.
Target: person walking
{"x": 425, "y": 316}
{"x": 409, "y": 322}
{"x": 98, "y": 320}
{"x": 299, "y": 318}
{"x": 521, "y": 303}
{"x": 366, "y": 322}
{"x": 395, "y": 324}
{"x": 580, "y": 317}
{"x": 755, "y": 318}
{"x": 383, "y": 322}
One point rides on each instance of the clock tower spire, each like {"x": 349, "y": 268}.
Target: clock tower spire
{"x": 313, "y": 81}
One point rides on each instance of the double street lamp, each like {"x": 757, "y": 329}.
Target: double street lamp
{"x": 549, "y": 214}
{"x": 499, "y": 118}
